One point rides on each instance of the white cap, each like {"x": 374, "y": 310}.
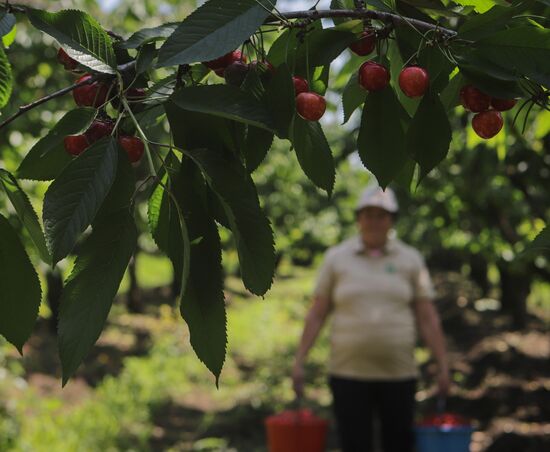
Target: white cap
{"x": 374, "y": 196}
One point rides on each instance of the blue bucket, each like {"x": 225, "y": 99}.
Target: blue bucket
{"x": 443, "y": 438}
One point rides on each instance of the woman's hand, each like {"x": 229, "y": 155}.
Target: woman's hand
{"x": 298, "y": 379}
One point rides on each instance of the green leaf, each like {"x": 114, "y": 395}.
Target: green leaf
{"x": 281, "y": 99}
{"x": 352, "y": 97}
{"x": 166, "y": 221}
{"x": 313, "y": 152}
{"x": 7, "y": 22}
{"x": 146, "y": 35}
{"x": 80, "y": 35}
{"x": 503, "y": 89}
{"x": 253, "y": 84}
{"x": 480, "y": 6}
{"x": 483, "y": 25}
{"x": 541, "y": 242}
{"x": 202, "y": 304}
{"x": 145, "y": 58}
{"x": 212, "y": 30}
{"x": 20, "y": 291}
{"x": 225, "y": 101}
{"x": 74, "y": 198}
{"x": 90, "y": 289}
{"x": 6, "y": 79}
{"x": 429, "y": 134}
{"x": 48, "y": 157}
{"x": 7, "y": 29}
{"x": 250, "y": 227}
{"x": 321, "y": 47}
{"x": 438, "y": 66}
{"x": 257, "y": 144}
{"x": 522, "y": 51}
{"x": 122, "y": 190}
{"x": 381, "y": 141}
{"x": 7, "y": 40}
{"x": 450, "y": 96}
{"x": 341, "y": 4}
{"x": 25, "y": 212}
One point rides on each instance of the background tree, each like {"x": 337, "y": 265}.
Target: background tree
{"x": 202, "y": 136}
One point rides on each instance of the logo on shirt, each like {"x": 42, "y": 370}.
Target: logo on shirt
{"x": 390, "y": 268}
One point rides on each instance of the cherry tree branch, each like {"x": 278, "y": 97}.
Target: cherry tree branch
{"x": 25, "y": 108}
{"x": 362, "y": 14}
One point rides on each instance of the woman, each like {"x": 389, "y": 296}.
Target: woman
{"x": 378, "y": 292}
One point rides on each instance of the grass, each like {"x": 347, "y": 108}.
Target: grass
{"x": 121, "y": 411}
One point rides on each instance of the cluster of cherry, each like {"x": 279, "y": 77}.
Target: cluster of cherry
{"x": 487, "y": 121}
{"x": 95, "y": 94}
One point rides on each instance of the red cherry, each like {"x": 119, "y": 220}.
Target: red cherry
{"x": 91, "y": 95}
{"x": 300, "y": 85}
{"x": 98, "y": 129}
{"x": 75, "y": 144}
{"x": 135, "y": 93}
{"x": 502, "y": 104}
{"x": 133, "y": 146}
{"x": 373, "y": 76}
{"x": 487, "y": 123}
{"x": 225, "y": 60}
{"x": 310, "y": 106}
{"x": 414, "y": 81}
{"x": 365, "y": 44}
{"x": 69, "y": 63}
{"x": 473, "y": 99}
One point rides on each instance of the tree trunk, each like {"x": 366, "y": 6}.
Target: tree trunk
{"x": 478, "y": 273}
{"x": 515, "y": 286}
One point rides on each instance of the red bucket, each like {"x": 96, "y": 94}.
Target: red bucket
{"x": 296, "y": 431}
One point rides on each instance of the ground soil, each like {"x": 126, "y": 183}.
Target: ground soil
{"x": 502, "y": 378}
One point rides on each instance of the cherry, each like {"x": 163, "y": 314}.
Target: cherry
{"x": 502, "y": 104}
{"x": 75, "y": 144}
{"x": 69, "y": 63}
{"x": 99, "y": 129}
{"x": 225, "y": 60}
{"x": 264, "y": 68}
{"x": 373, "y": 76}
{"x": 133, "y": 146}
{"x": 236, "y": 72}
{"x": 487, "y": 123}
{"x": 91, "y": 95}
{"x": 365, "y": 44}
{"x": 135, "y": 93}
{"x": 300, "y": 85}
{"x": 310, "y": 106}
{"x": 414, "y": 81}
{"x": 473, "y": 99}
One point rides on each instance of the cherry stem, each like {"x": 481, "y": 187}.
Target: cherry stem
{"x": 140, "y": 131}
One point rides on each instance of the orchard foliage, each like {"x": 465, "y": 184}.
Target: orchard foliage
{"x": 223, "y": 83}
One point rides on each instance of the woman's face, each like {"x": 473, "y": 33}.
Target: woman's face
{"x": 374, "y": 224}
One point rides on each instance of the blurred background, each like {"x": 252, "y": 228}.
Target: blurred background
{"x": 142, "y": 388}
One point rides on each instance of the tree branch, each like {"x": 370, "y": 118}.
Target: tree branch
{"x": 394, "y": 19}
{"x": 24, "y": 108}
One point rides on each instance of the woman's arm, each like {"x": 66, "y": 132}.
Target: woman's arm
{"x": 432, "y": 334}
{"x": 315, "y": 320}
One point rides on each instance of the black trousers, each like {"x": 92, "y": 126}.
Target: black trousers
{"x": 357, "y": 402}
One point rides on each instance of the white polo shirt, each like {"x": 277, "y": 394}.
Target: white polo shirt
{"x": 373, "y": 329}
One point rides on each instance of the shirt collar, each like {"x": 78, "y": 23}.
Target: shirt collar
{"x": 389, "y": 247}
